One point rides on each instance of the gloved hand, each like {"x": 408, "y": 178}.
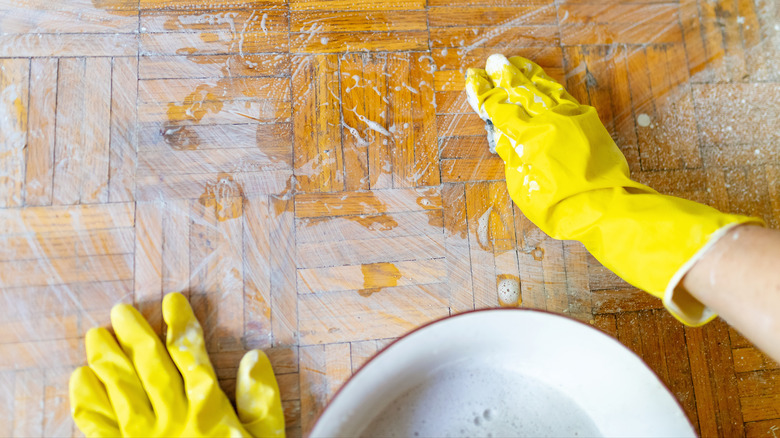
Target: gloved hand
{"x": 139, "y": 387}
{"x": 565, "y": 173}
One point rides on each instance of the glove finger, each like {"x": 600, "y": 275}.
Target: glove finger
{"x": 113, "y": 368}
{"x": 543, "y": 82}
{"x": 519, "y": 88}
{"x": 257, "y": 396}
{"x": 477, "y": 86}
{"x": 151, "y": 360}
{"x": 89, "y": 405}
{"x": 188, "y": 349}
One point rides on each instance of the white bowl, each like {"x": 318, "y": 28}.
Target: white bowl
{"x": 504, "y": 372}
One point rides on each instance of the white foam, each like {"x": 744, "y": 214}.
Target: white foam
{"x": 495, "y": 63}
{"x": 483, "y": 227}
{"x": 465, "y": 401}
{"x": 508, "y": 292}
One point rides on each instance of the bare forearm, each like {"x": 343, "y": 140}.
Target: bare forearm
{"x": 739, "y": 278}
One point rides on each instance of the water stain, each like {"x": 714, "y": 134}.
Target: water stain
{"x": 225, "y": 196}
{"x": 376, "y": 223}
{"x": 196, "y": 105}
{"x": 538, "y": 254}
{"x": 179, "y": 137}
{"x": 377, "y": 276}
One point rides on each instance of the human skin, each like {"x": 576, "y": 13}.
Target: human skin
{"x": 739, "y": 278}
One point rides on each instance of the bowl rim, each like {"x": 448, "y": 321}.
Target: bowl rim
{"x": 494, "y": 309}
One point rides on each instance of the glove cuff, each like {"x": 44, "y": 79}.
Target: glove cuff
{"x": 678, "y": 300}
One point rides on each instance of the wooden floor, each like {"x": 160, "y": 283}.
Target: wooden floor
{"x": 310, "y": 175}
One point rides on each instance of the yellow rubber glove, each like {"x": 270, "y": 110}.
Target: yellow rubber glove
{"x": 138, "y": 387}
{"x": 565, "y": 173}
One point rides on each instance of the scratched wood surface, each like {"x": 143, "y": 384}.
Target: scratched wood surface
{"x": 309, "y": 173}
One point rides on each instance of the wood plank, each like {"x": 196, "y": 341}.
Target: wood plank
{"x": 235, "y": 21}
{"x": 41, "y": 131}
{"x": 360, "y": 227}
{"x": 68, "y": 45}
{"x": 21, "y": 356}
{"x": 28, "y": 398}
{"x": 400, "y": 115}
{"x": 459, "y": 125}
{"x": 65, "y": 244}
{"x": 57, "y": 420}
{"x": 176, "y": 247}
{"x": 229, "y": 322}
{"x": 617, "y": 12}
{"x": 284, "y": 303}
{"x": 530, "y": 243}
{"x": 124, "y": 137}
{"x": 353, "y": 135}
{"x": 357, "y": 21}
{"x": 620, "y": 33}
{"x": 71, "y": 115}
{"x": 734, "y": 121}
{"x": 388, "y": 313}
{"x": 188, "y": 5}
{"x": 182, "y": 89}
{"x": 456, "y": 243}
{"x": 425, "y": 169}
{"x": 365, "y": 120}
{"x": 40, "y": 328}
{"x": 23, "y": 302}
{"x": 204, "y": 276}
{"x": 370, "y": 278}
{"x": 760, "y": 407}
{"x": 192, "y": 186}
{"x": 379, "y": 250}
{"x": 361, "y": 352}
{"x": 213, "y": 66}
{"x": 345, "y": 5}
{"x": 473, "y": 169}
{"x": 212, "y": 161}
{"x": 148, "y": 263}
{"x": 97, "y": 124}
{"x": 483, "y": 218}
{"x": 678, "y": 369}
{"x": 577, "y": 285}
{"x": 624, "y": 300}
{"x": 273, "y": 139}
{"x": 213, "y": 112}
{"x": 715, "y": 385}
{"x": 455, "y": 16}
{"x": 257, "y": 273}
{"x": 385, "y": 201}
{"x": 764, "y": 428}
{"x": 318, "y": 157}
{"x": 14, "y": 104}
{"x": 38, "y": 17}
{"x": 323, "y": 369}
{"x": 549, "y": 58}
{"x": 67, "y": 218}
{"x": 212, "y": 43}
{"x": 554, "y": 276}
{"x": 748, "y": 359}
{"x": 513, "y": 38}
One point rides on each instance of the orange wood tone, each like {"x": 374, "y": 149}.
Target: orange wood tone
{"x": 310, "y": 174}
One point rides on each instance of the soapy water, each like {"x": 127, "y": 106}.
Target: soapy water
{"x": 509, "y": 292}
{"x": 460, "y": 401}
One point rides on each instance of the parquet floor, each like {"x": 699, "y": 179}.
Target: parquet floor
{"x": 308, "y": 172}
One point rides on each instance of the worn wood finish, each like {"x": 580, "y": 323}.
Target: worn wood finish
{"x": 310, "y": 175}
